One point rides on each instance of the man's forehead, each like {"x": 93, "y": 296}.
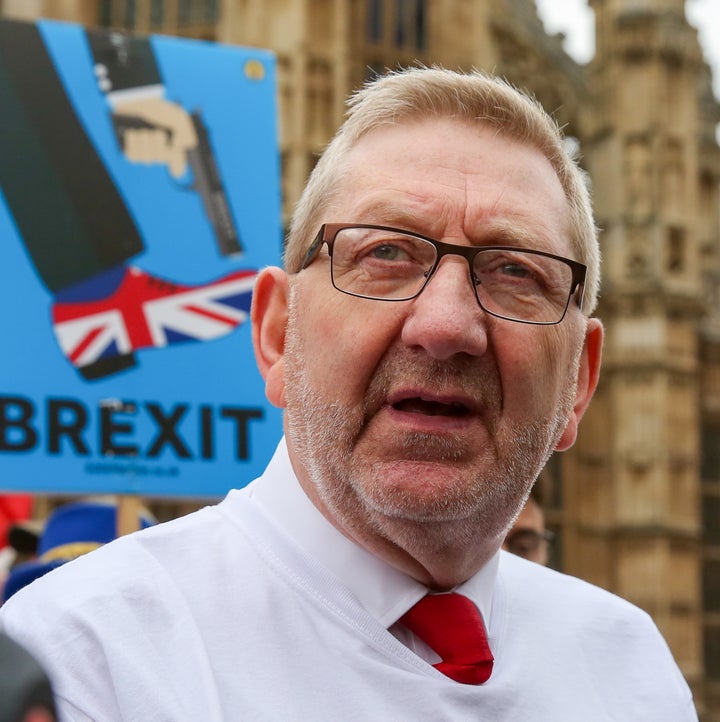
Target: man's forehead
{"x": 518, "y": 201}
{"x": 444, "y": 151}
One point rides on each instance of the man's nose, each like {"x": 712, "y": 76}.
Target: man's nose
{"x": 446, "y": 319}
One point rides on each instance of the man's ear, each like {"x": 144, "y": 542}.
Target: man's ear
{"x": 269, "y": 314}
{"x": 588, "y": 375}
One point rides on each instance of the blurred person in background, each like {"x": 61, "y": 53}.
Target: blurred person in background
{"x": 13, "y": 508}
{"x": 71, "y": 530}
{"x": 25, "y": 691}
{"x": 528, "y": 536}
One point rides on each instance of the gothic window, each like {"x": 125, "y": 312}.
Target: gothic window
{"x": 638, "y": 179}
{"x": 402, "y": 8}
{"x": 105, "y": 13}
{"x": 710, "y": 457}
{"x": 410, "y": 24}
{"x": 710, "y": 472}
{"x": 375, "y": 21}
{"x": 712, "y": 653}
{"x": 711, "y": 531}
{"x": 711, "y": 604}
{"x": 408, "y": 29}
{"x": 673, "y": 178}
{"x": 129, "y": 14}
{"x": 421, "y": 25}
{"x": 157, "y": 13}
{"x": 675, "y": 249}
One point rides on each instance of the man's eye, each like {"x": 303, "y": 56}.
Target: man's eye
{"x": 513, "y": 271}
{"x": 516, "y": 269}
{"x": 387, "y": 252}
{"x": 390, "y": 252}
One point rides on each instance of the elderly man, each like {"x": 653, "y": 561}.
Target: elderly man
{"x": 431, "y": 342}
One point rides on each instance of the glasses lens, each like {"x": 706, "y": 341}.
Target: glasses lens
{"x": 526, "y": 542}
{"x": 380, "y": 264}
{"x": 522, "y": 286}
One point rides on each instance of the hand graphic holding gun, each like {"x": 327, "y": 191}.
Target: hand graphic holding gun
{"x": 154, "y": 130}
{"x": 151, "y": 129}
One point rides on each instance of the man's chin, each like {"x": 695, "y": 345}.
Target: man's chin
{"x": 426, "y": 450}
{"x": 423, "y": 491}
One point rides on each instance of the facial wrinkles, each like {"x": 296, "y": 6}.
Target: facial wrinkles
{"x": 328, "y": 435}
{"x": 474, "y": 484}
{"x": 473, "y": 379}
{"x": 500, "y": 211}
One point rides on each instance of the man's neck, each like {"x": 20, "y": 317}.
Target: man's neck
{"x": 439, "y": 555}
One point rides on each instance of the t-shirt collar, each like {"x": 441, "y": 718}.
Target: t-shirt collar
{"x": 384, "y": 591}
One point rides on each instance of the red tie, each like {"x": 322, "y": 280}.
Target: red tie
{"x": 452, "y": 626}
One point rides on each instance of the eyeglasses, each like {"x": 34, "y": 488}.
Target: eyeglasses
{"x": 526, "y": 542}
{"x": 388, "y": 264}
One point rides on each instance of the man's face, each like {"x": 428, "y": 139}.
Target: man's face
{"x": 403, "y": 417}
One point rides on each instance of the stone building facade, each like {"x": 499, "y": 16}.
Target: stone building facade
{"x": 636, "y": 504}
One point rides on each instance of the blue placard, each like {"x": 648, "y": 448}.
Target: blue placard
{"x": 126, "y": 276}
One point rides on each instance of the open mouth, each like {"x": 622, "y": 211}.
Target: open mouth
{"x": 416, "y": 405}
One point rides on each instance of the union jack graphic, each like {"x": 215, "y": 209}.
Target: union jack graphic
{"x": 146, "y": 311}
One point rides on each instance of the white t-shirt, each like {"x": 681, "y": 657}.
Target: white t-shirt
{"x": 223, "y": 615}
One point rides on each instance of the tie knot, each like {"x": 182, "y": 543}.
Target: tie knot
{"x": 452, "y": 626}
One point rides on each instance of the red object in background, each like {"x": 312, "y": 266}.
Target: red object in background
{"x": 13, "y": 508}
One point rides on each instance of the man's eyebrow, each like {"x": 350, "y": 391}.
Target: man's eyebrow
{"x": 503, "y": 232}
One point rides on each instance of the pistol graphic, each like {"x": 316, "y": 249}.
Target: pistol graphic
{"x": 206, "y": 178}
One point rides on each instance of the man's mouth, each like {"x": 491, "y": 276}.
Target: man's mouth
{"x": 417, "y": 405}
